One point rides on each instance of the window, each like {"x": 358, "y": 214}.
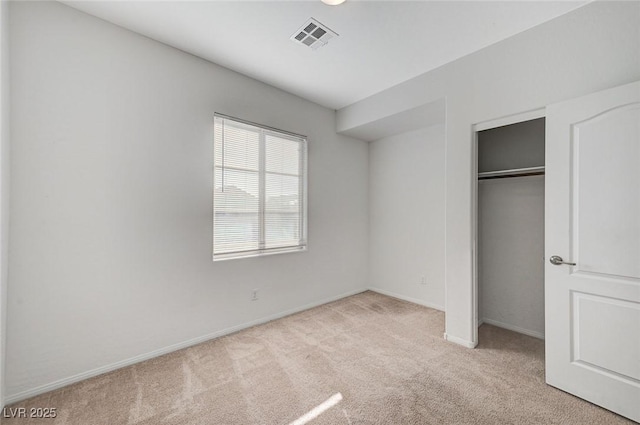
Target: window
{"x": 260, "y": 190}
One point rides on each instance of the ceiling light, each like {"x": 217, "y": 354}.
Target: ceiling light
{"x": 333, "y": 2}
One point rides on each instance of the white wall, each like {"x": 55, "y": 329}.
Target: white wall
{"x": 111, "y": 200}
{"x": 590, "y": 49}
{"x": 406, "y": 216}
{"x": 4, "y": 183}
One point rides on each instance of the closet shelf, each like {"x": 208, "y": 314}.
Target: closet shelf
{"x": 516, "y": 172}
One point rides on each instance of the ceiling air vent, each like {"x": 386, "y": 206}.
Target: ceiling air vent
{"x": 313, "y": 34}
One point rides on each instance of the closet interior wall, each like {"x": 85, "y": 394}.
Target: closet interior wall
{"x": 511, "y": 227}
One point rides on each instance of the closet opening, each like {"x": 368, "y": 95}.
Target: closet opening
{"x": 509, "y": 226}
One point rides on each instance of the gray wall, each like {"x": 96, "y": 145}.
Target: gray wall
{"x": 112, "y": 189}
{"x": 406, "y": 216}
{"x": 512, "y": 146}
{"x": 510, "y": 253}
{"x": 4, "y": 184}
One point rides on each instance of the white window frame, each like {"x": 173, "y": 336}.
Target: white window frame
{"x": 262, "y": 250}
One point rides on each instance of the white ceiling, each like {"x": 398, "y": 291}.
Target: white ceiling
{"x": 381, "y": 43}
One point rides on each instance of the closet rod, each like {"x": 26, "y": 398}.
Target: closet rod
{"x": 516, "y": 172}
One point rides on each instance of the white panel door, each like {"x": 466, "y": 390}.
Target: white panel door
{"x": 592, "y": 218}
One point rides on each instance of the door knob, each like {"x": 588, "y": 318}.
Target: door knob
{"x": 557, "y": 260}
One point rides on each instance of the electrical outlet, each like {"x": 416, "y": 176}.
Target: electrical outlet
{"x": 254, "y": 295}
{"x": 423, "y": 281}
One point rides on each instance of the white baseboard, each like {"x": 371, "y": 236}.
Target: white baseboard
{"x": 534, "y": 334}
{"x": 405, "y": 298}
{"x": 165, "y": 350}
{"x": 460, "y": 341}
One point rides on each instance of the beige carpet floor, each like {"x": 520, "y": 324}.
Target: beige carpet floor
{"x": 378, "y": 359}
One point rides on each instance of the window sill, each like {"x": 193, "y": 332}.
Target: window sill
{"x": 253, "y": 254}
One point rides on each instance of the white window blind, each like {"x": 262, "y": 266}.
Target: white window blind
{"x": 259, "y": 200}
